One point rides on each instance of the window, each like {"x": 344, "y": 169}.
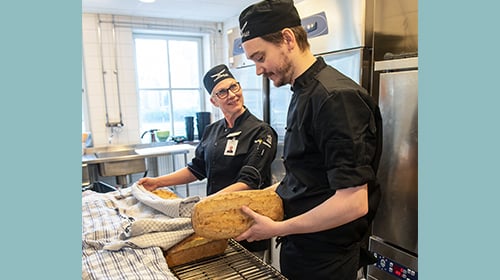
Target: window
{"x": 252, "y": 89}
{"x": 168, "y": 80}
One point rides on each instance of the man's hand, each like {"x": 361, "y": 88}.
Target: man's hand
{"x": 262, "y": 228}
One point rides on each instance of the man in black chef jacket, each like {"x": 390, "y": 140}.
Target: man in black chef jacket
{"x": 235, "y": 153}
{"x": 331, "y": 150}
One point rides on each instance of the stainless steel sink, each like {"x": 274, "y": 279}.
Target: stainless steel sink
{"x": 117, "y": 167}
{"x": 119, "y": 160}
{"x": 85, "y": 175}
{"x": 108, "y": 154}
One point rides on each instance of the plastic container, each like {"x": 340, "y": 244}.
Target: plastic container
{"x": 189, "y": 121}
{"x": 202, "y": 120}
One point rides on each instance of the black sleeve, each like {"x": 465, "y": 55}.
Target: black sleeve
{"x": 197, "y": 164}
{"x": 261, "y": 154}
{"x": 349, "y": 139}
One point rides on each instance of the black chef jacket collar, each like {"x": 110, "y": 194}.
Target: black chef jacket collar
{"x": 238, "y": 120}
{"x": 309, "y": 74}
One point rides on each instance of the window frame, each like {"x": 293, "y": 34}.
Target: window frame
{"x": 199, "y": 39}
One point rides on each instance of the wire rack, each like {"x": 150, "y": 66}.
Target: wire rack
{"x": 236, "y": 263}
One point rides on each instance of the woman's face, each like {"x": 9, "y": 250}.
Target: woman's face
{"x": 233, "y": 102}
{"x": 270, "y": 60}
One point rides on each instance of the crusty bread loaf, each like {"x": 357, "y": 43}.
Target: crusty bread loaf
{"x": 220, "y": 216}
{"x": 164, "y": 193}
{"x": 193, "y": 248}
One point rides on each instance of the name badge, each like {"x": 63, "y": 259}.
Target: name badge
{"x": 231, "y": 145}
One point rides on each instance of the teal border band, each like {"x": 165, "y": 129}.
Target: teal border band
{"x": 40, "y": 67}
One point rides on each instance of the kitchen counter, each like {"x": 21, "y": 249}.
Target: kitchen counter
{"x": 90, "y": 156}
{"x": 121, "y": 161}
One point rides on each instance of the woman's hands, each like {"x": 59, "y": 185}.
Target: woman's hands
{"x": 148, "y": 183}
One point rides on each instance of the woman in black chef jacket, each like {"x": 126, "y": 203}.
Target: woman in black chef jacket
{"x": 331, "y": 151}
{"x": 235, "y": 153}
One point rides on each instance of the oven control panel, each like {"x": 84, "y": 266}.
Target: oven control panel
{"x": 395, "y": 269}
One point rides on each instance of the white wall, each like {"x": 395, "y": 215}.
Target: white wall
{"x": 94, "y": 68}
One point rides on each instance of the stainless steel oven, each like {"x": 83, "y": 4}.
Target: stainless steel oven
{"x": 394, "y": 237}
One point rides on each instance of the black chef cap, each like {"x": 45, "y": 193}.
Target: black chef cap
{"x": 215, "y": 75}
{"x": 267, "y": 17}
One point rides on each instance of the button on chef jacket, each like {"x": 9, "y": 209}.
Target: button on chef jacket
{"x": 243, "y": 153}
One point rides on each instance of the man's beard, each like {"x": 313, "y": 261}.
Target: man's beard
{"x": 283, "y": 73}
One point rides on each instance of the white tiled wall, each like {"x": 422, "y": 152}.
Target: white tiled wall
{"x": 109, "y": 69}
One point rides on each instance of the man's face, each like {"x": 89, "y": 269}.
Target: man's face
{"x": 270, "y": 60}
{"x": 233, "y": 102}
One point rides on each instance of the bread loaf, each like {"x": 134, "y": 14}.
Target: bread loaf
{"x": 220, "y": 216}
{"x": 193, "y": 248}
{"x": 167, "y": 194}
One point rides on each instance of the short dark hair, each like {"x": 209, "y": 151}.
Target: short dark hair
{"x": 300, "y": 36}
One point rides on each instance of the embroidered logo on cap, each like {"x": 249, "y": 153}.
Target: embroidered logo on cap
{"x": 244, "y": 33}
{"x": 219, "y": 75}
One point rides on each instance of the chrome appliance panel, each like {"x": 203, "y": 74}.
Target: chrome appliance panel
{"x": 394, "y": 237}
{"x": 392, "y": 263}
{"x": 397, "y": 216}
{"x": 395, "y": 28}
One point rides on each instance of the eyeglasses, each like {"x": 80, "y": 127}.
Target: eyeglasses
{"x": 223, "y": 93}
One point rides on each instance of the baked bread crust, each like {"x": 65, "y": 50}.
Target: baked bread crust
{"x": 220, "y": 216}
{"x": 164, "y": 193}
{"x": 194, "y": 248}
